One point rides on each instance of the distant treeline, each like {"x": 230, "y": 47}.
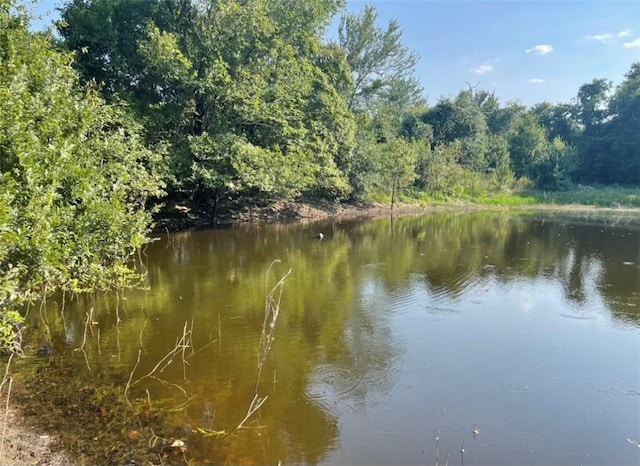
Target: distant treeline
{"x": 247, "y": 99}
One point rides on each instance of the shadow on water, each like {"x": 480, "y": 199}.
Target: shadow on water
{"x": 381, "y": 324}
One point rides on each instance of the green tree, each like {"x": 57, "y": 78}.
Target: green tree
{"x": 439, "y": 171}
{"x": 557, "y": 120}
{"x": 74, "y": 175}
{"x": 544, "y": 162}
{"x": 461, "y": 119}
{"x": 382, "y": 68}
{"x": 591, "y": 103}
{"x": 527, "y": 145}
{"x": 498, "y": 162}
{"x": 593, "y": 147}
{"x": 235, "y": 87}
{"x": 498, "y": 118}
{"x": 398, "y": 158}
{"x": 457, "y": 118}
{"x": 500, "y": 121}
{"x": 622, "y": 130}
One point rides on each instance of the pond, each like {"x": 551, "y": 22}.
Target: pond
{"x": 451, "y": 338}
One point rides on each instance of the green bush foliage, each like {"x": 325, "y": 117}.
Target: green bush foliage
{"x": 75, "y": 176}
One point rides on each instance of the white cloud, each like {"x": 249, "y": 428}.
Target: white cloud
{"x": 482, "y": 69}
{"x": 632, "y": 44}
{"x": 602, "y": 37}
{"x": 541, "y": 49}
{"x": 610, "y": 37}
{"x": 535, "y": 81}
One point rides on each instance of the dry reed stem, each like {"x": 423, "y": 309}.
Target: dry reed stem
{"x": 117, "y": 308}
{"x": 219, "y": 333}
{"x": 182, "y": 345}
{"x": 4, "y": 421}
{"x": 181, "y": 406}
{"x": 128, "y": 385}
{"x": 117, "y": 327}
{"x": 205, "y": 346}
{"x": 271, "y": 312}
{"x": 89, "y": 316}
{"x": 140, "y": 337}
{"x": 169, "y": 384}
{"x": 256, "y": 403}
{"x": 43, "y": 314}
{"x": 6, "y": 407}
{"x": 84, "y": 337}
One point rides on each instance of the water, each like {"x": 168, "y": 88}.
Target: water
{"x": 512, "y": 337}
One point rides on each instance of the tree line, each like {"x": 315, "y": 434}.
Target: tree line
{"x": 251, "y": 100}
{"x": 211, "y": 100}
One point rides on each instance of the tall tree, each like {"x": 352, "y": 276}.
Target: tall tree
{"x": 623, "y": 130}
{"x": 527, "y": 145}
{"x": 557, "y": 119}
{"x": 461, "y": 119}
{"x": 382, "y": 68}
{"x": 533, "y": 155}
{"x": 398, "y": 158}
{"x": 591, "y": 103}
{"x": 592, "y": 145}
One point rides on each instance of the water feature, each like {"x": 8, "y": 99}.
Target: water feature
{"x": 512, "y": 337}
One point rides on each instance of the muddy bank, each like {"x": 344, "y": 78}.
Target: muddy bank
{"x": 25, "y": 444}
{"x": 180, "y": 214}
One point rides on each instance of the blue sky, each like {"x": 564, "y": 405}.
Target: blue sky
{"x": 526, "y": 51}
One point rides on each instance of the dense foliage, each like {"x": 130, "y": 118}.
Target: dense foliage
{"x": 254, "y": 103}
{"x": 245, "y": 93}
{"x": 247, "y": 100}
{"x": 74, "y": 176}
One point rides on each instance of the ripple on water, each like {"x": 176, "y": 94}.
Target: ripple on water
{"x": 401, "y": 299}
{"x": 375, "y": 377}
{"x": 578, "y": 312}
{"x": 331, "y": 384}
{"x": 454, "y": 287}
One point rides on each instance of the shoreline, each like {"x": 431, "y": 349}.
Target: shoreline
{"x": 176, "y": 216}
{"x": 24, "y": 443}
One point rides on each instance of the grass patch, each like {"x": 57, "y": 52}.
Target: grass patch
{"x": 614, "y": 197}
{"x": 606, "y": 197}
{"x": 507, "y": 199}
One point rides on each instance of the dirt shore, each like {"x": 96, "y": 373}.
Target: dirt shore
{"x": 177, "y": 216}
{"x": 22, "y": 444}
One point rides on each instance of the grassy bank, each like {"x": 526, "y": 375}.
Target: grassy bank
{"x": 605, "y": 197}
{"x": 611, "y": 197}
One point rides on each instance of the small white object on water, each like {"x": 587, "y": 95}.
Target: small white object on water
{"x": 633, "y": 442}
{"x": 320, "y": 236}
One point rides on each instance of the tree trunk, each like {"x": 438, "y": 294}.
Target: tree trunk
{"x": 393, "y": 194}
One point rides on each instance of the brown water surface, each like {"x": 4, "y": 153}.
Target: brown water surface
{"x": 513, "y": 337}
